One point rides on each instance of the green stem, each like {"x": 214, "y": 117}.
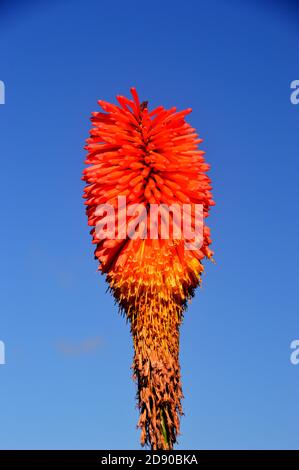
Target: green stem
{"x": 164, "y": 429}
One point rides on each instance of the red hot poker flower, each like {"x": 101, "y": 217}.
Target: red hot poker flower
{"x": 149, "y": 158}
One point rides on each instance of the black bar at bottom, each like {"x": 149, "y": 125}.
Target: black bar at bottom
{"x": 139, "y": 458}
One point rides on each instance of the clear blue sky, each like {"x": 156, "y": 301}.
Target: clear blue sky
{"x": 67, "y": 382}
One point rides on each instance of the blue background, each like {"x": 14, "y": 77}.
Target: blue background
{"x": 67, "y": 382}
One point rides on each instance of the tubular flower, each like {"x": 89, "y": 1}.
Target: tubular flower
{"x": 150, "y": 158}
